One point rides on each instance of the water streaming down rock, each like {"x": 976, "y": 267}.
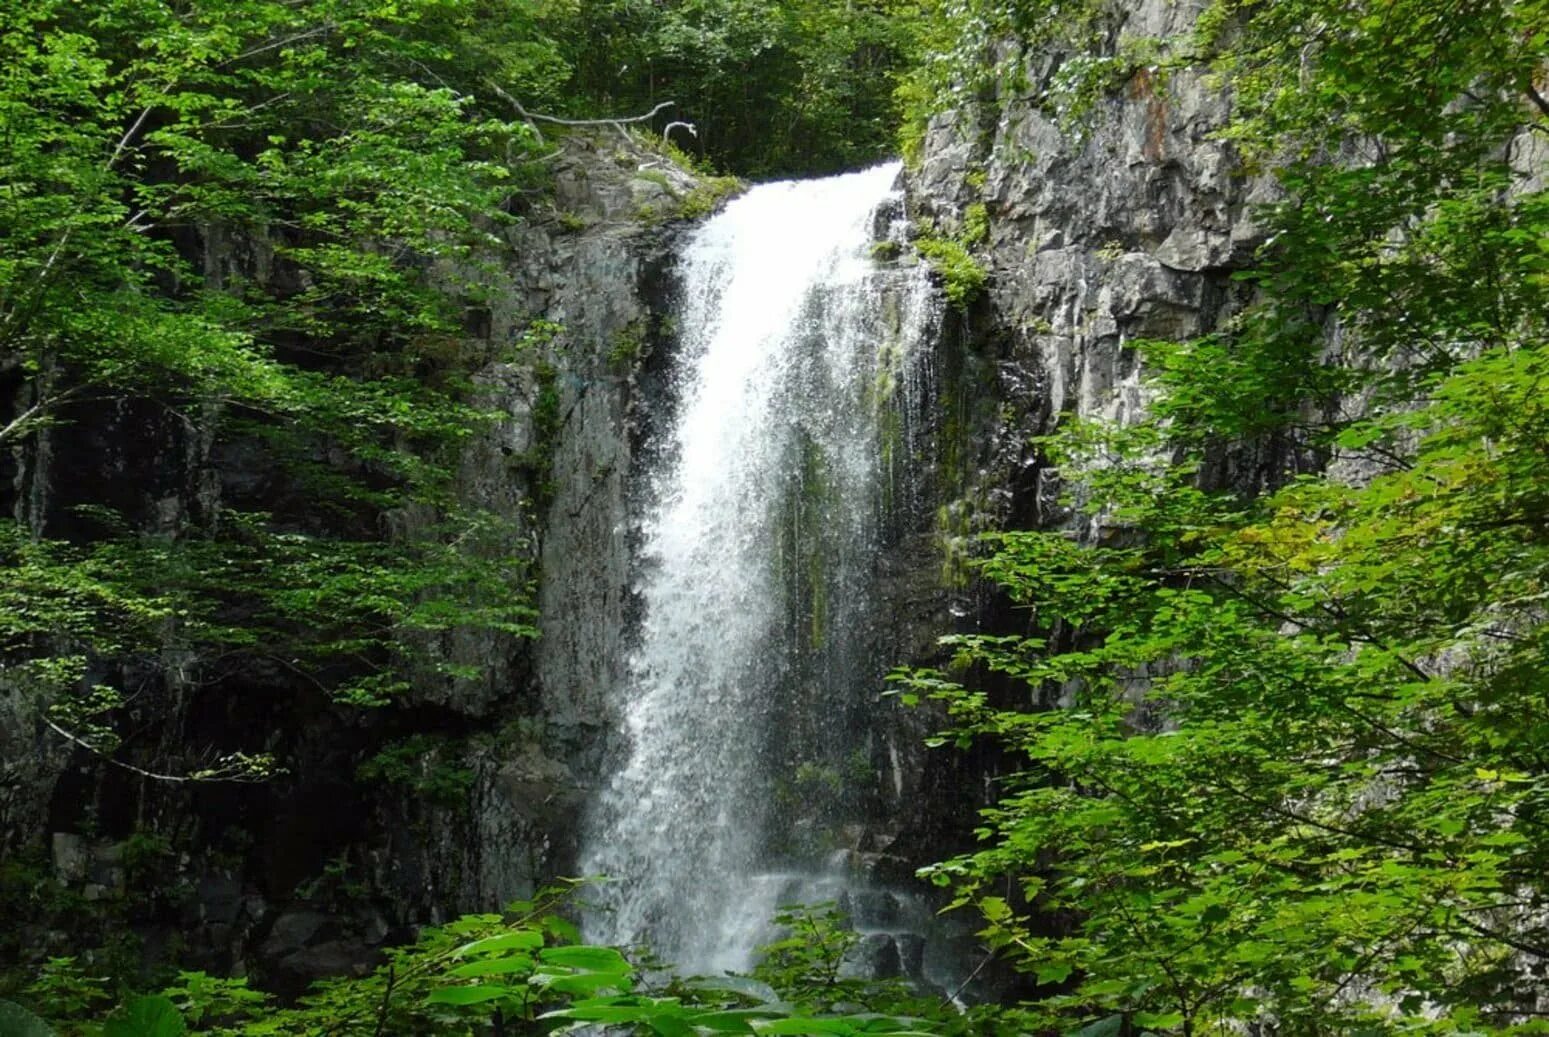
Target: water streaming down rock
{"x": 755, "y": 663}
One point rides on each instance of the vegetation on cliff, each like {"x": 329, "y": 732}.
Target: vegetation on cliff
{"x": 1283, "y": 748}
{"x": 1284, "y": 761}
{"x": 255, "y": 229}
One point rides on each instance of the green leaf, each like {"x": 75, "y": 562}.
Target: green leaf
{"x": 519, "y": 940}
{"x": 1053, "y": 972}
{"x": 16, "y": 1021}
{"x": 1111, "y": 1026}
{"x": 146, "y": 1017}
{"x": 492, "y": 967}
{"x": 592, "y": 959}
{"x": 470, "y": 995}
{"x": 804, "y": 1025}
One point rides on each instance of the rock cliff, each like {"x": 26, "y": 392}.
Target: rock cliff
{"x": 477, "y": 779}
{"x": 1124, "y": 223}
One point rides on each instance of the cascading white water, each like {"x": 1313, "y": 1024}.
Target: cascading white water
{"x": 794, "y": 342}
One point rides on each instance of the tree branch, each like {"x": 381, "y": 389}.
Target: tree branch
{"x": 1537, "y": 98}
{"x": 235, "y": 767}
{"x": 532, "y": 118}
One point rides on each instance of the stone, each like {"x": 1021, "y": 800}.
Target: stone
{"x": 874, "y": 957}
{"x": 911, "y": 955}
{"x": 294, "y": 930}
{"x": 874, "y": 908}
{"x": 219, "y": 898}
{"x": 70, "y": 855}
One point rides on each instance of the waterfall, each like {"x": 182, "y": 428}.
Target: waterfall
{"x": 763, "y": 513}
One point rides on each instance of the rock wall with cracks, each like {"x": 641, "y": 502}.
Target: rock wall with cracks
{"x": 312, "y": 873}
{"x": 1124, "y": 223}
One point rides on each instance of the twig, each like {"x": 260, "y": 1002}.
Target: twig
{"x": 387, "y": 996}
{"x": 235, "y": 775}
{"x": 532, "y": 118}
{"x": 951, "y": 999}
{"x": 620, "y": 121}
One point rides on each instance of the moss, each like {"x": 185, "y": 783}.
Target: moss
{"x": 976, "y": 225}
{"x": 708, "y": 196}
{"x": 885, "y": 250}
{"x": 801, "y": 564}
{"x": 815, "y": 492}
{"x": 657, "y": 177}
{"x": 890, "y": 442}
{"x": 883, "y": 401}
{"x": 145, "y": 855}
{"x": 954, "y": 533}
{"x": 816, "y": 778}
{"x": 962, "y": 276}
{"x": 858, "y": 769}
{"x": 627, "y": 347}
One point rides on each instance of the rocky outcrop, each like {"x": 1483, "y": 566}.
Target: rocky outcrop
{"x": 1121, "y": 224}
{"x": 312, "y": 873}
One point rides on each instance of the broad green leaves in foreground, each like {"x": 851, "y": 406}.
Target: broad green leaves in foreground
{"x": 522, "y": 971}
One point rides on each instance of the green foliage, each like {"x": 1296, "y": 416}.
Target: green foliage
{"x": 1281, "y": 749}
{"x": 523, "y": 971}
{"x": 975, "y": 50}
{"x": 146, "y": 1017}
{"x": 708, "y": 196}
{"x": 1297, "y": 748}
{"x": 347, "y": 150}
{"x": 628, "y": 345}
{"x": 63, "y": 990}
{"x": 425, "y": 765}
{"x": 16, "y": 1021}
{"x": 202, "y": 998}
{"x": 962, "y": 276}
{"x": 772, "y": 86}
{"x": 976, "y": 225}
{"x": 144, "y": 856}
{"x": 807, "y": 963}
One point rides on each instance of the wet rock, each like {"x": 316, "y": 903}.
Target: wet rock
{"x": 874, "y": 909}
{"x": 219, "y": 899}
{"x": 911, "y": 955}
{"x": 332, "y": 958}
{"x": 295, "y": 930}
{"x": 71, "y": 856}
{"x": 874, "y": 957}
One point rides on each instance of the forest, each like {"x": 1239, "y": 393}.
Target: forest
{"x": 1261, "y": 697}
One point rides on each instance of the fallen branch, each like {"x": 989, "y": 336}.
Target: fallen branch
{"x": 667, "y": 129}
{"x": 233, "y": 767}
{"x": 532, "y": 118}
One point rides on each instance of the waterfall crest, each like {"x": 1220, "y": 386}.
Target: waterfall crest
{"x": 758, "y": 532}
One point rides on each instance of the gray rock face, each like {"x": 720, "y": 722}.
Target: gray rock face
{"x": 576, "y": 308}
{"x": 1124, "y": 226}
{"x": 310, "y": 876}
{"x": 1127, "y": 224}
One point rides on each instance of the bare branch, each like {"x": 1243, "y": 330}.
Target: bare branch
{"x": 1538, "y": 99}
{"x": 619, "y": 122}
{"x": 233, "y": 767}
